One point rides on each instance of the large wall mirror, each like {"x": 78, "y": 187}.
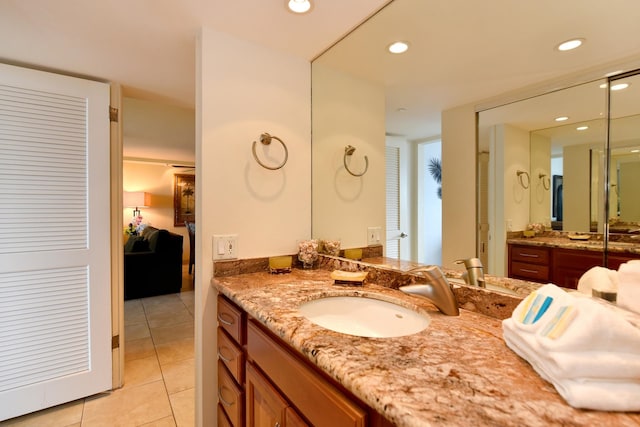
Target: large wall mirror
{"x": 359, "y": 95}
{"x": 554, "y": 159}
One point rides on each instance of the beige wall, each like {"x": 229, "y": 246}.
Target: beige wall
{"x": 458, "y": 185}
{"x": 576, "y": 184}
{"x": 347, "y": 111}
{"x": 158, "y": 181}
{"x": 540, "y": 191}
{"x": 243, "y": 90}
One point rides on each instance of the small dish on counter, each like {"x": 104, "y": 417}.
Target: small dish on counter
{"x": 578, "y": 236}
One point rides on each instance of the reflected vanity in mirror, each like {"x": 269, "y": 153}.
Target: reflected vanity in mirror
{"x": 591, "y": 152}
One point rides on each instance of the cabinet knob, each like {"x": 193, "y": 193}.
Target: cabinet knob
{"x": 277, "y": 424}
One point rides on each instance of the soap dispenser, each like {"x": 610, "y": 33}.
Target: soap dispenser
{"x": 474, "y": 275}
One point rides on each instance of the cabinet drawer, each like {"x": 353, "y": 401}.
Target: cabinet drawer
{"x": 230, "y": 396}
{"x": 530, "y": 254}
{"x": 231, "y": 355}
{"x": 312, "y": 395}
{"x": 530, "y": 271}
{"x": 231, "y": 319}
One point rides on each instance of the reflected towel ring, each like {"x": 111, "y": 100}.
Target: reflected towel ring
{"x": 265, "y": 139}
{"x": 348, "y": 151}
{"x": 546, "y": 183}
{"x": 523, "y": 173}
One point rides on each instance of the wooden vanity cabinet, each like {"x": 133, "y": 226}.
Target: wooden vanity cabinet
{"x": 275, "y": 386}
{"x": 560, "y": 266}
{"x": 231, "y": 334}
{"x": 529, "y": 263}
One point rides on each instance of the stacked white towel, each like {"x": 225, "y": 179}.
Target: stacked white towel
{"x": 589, "y": 351}
{"x": 598, "y": 278}
{"x": 629, "y": 286}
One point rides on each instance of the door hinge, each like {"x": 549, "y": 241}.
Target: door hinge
{"x": 113, "y": 114}
{"x": 115, "y": 342}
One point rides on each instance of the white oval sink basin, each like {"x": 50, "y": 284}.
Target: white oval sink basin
{"x": 364, "y": 317}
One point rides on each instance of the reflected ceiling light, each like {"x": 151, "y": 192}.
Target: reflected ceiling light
{"x": 619, "y": 86}
{"x": 613, "y": 73}
{"x": 401, "y": 110}
{"x": 635, "y": 151}
{"x": 398, "y": 47}
{"x": 299, "y": 6}
{"x": 570, "y": 45}
{"x": 561, "y": 118}
{"x": 582, "y": 128}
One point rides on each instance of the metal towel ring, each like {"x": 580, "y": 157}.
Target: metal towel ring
{"x": 520, "y": 174}
{"x": 348, "y": 151}
{"x": 546, "y": 183}
{"x": 265, "y": 139}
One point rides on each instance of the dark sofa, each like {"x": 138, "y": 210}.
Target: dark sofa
{"x": 152, "y": 264}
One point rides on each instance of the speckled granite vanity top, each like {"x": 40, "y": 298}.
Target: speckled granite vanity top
{"x": 457, "y": 372}
{"x": 589, "y": 245}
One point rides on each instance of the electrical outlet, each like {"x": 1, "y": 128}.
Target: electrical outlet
{"x": 373, "y": 235}
{"x": 225, "y": 246}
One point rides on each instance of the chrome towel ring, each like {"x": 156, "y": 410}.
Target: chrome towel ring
{"x": 520, "y": 174}
{"x": 348, "y": 151}
{"x": 265, "y": 139}
{"x": 546, "y": 183}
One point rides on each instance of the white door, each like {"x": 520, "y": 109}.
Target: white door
{"x": 55, "y": 325}
{"x": 397, "y": 195}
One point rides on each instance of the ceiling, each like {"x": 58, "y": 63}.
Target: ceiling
{"x": 148, "y": 46}
{"x": 461, "y": 51}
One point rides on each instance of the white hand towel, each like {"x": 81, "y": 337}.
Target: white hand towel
{"x": 595, "y": 327}
{"x": 629, "y": 286}
{"x": 602, "y": 395}
{"x": 599, "y": 278}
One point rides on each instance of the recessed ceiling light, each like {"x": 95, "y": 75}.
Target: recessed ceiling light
{"x": 561, "y": 119}
{"x": 398, "y": 47}
{"x": 619, "y": 86}
{"x": 401, "y": 110}
{"x": 299, "y": 6}
{"x": 582, "y": 128}
{"x": 570, "y": 44}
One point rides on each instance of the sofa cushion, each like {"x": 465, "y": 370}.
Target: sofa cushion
{"x": 147, "y": 231}
{"x": 136, "y": 244}
{"x": 156, "y": 238}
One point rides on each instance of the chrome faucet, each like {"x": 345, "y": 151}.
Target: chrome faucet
{"x": 474, "y": 275}
{"x": 437, "y": 290}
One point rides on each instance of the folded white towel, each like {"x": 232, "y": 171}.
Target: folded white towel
{"x": 629, "y": 286}
{"x": 598, "y": 394}
{"x": 525, "y": 314}
{"x": 599, "y": 278}
{"x": 594, "y": 327}
{"x": 591, "y": 365}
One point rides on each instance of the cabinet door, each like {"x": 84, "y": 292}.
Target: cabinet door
{"x": 292, "y": 419}
{"x": 265, "y": 406}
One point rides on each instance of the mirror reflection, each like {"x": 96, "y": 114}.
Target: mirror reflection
{"x": 547, "y": 162}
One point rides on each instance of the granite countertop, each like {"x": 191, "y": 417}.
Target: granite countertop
{"x": 566, "y": 243}
{"x": 457, "y": 372}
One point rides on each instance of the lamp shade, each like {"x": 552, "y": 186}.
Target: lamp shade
{"x": 136, "y": 199}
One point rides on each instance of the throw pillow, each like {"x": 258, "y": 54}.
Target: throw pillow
{"x": 136, "y": 244}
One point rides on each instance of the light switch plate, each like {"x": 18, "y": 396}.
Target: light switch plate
{"x": 225, "y": 246}
{"x": 373, "y": 235}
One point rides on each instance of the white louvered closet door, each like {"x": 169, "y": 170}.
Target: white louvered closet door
{"x": 55, "y": 286}
{"x": 396, "y": 163}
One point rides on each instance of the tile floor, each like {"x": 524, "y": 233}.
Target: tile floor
{"x": 159, "y": 372}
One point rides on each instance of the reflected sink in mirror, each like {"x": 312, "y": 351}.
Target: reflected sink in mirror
{"x": 364, "y": 317}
